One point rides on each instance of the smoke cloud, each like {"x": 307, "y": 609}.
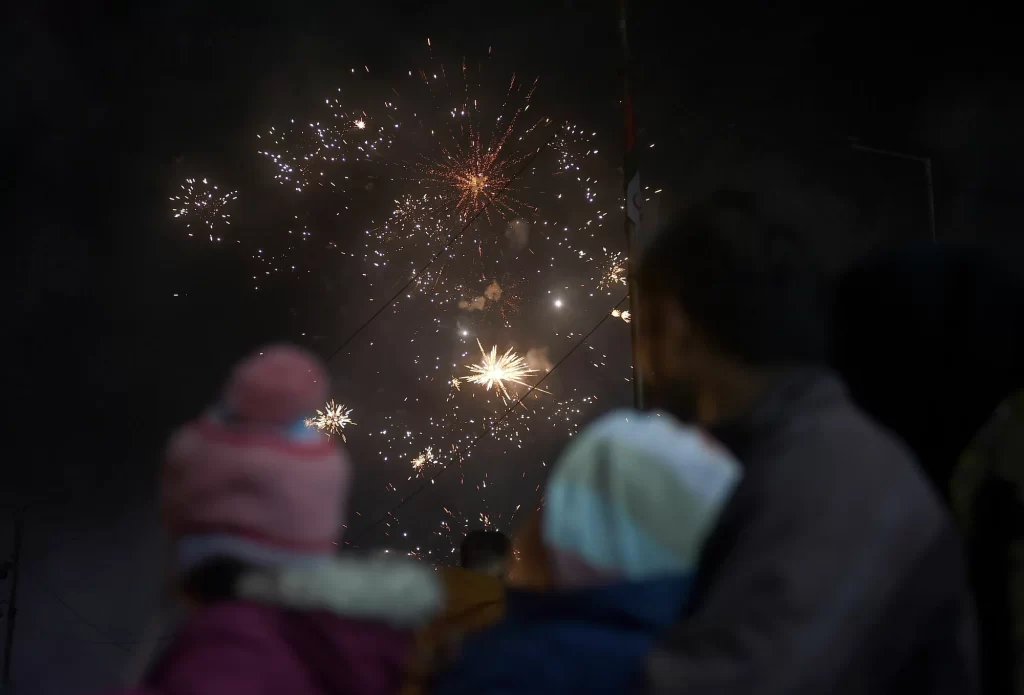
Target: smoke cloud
{"x": 473, "y": 303}
{"x": 491, "y": 294}
{"x": 537, "y": 358}
{"x": 518, "y": 234}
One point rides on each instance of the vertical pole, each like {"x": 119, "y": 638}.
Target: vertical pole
{"x": 12, "y": 606}
{"x": 931, "y": 196}
{"x": 633, "y": 202}
{"x": 927, "y": 162}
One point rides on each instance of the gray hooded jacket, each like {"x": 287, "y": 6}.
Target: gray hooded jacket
{"x": 835, "y": 568}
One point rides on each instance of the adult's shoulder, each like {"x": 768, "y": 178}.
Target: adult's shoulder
{"x": 822, "y": 455}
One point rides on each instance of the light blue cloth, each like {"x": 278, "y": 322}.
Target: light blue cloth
{"x": 635, "y": 497}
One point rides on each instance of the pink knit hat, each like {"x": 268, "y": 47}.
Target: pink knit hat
{"x": 250, "y": 471}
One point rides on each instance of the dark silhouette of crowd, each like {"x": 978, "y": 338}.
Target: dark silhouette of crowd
{"x": 825, "y": 495}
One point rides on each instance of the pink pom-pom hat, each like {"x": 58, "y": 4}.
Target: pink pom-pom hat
{"x": 249, "y": 475}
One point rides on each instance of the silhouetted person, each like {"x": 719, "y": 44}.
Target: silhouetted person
{"x": 930, "y": 338}
{"x": 835, "y": 567}
{"x": 486, "y": 552}
{"x": 989, "y": 489}
{"x": 475, "y": 598}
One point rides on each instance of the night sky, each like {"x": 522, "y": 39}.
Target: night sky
{"x": 113, "y": 108}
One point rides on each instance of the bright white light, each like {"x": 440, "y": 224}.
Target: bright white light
{"x": 558, "y": 303}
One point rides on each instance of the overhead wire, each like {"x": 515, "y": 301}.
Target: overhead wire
{"x": 489, "y": 428}
{"x": 451, "y": 240}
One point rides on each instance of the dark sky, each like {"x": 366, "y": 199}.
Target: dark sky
{"x": 112, "y": 107}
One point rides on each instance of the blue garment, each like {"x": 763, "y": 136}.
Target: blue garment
{"x": 592, "y": 640}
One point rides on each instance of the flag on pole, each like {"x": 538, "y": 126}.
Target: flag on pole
{"x": 634, "y": 208}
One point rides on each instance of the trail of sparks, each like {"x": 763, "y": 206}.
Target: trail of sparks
{"x": 332, "y": 420}
{"x": 203, "y": 203}
{"x": 405, "y": 173}
{"x": 494, "y": 371}
{"x": 613, "y": 270}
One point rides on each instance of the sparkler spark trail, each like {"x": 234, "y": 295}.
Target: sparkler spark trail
{"x": 332, "y": 420}
{"x": 202, "y": 202}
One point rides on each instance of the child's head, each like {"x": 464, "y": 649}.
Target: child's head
{"x": 633, "y": 498}
{"x": 486, "y": 552}
{"x": 248, "y": 481}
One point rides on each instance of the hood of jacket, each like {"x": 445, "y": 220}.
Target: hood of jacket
{"x": 399, "y": 593}
{"x": 587, "y": 640}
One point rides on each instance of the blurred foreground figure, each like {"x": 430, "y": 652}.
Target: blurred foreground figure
{"x": 835, "y": 567}
{"x": 989, "y": 484}
{"x": 930, "y": 338}
{"x": 485, "y": 553}
{"x": 531, "y": 567}
{"x": 474, "y": 599}
{"x": 254, "y": 502}
{"x": 628, "y": 507}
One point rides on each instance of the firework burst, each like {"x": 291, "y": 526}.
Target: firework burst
{"x": 494, "y": 371}
{"x": 203, "y": 203}
{"x": 303, "y": 154}
{"x": 475, "y": 172}
{"x": 332, "y": 420}
{"x": 613, "y": 270}
{"x": 391, "y": 186}
{"x": 411, "y": 225}
{"x": 567, "y": 413}
{"x": 424, "y": 459}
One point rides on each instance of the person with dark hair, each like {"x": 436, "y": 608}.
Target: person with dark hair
{"x": 989, "y": 490}
{"x": 835, "y": 567}
{"x": 486, "y": 552}
{"x": 475, "y": 599}
{"x": 254, "y": 501}
{"x": 930, "y": 337}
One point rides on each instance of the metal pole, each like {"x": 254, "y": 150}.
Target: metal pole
{"x": 12, "y": 606}
{"x": 633, "y": 204}
{"x": 931, "y": 196}
{"x": 927, "y": 162}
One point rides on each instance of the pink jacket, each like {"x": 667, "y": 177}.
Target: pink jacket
{"x": 345, "y": 628}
